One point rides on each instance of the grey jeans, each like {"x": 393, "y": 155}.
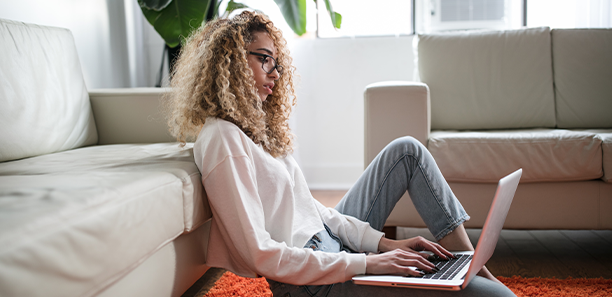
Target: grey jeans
{"x": 403, "y": 165}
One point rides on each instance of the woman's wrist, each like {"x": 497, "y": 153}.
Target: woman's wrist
{"x": 385, "y": 244}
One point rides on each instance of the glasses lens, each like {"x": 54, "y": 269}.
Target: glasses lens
{"x": 267, "y": 64}
{"x": 279, "y": 68}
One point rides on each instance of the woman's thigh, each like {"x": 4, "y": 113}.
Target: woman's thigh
{"x": 478, "y": 287}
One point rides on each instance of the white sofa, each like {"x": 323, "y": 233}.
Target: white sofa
{"x": 95, "y": 198}
{"x": 489, "y": 102}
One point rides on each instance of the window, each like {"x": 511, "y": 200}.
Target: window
{"x": 362, "y": 18}
{"x": 367, "y": 18}
{"x": 448, "y": 15}
{"x": 569, "y": 13}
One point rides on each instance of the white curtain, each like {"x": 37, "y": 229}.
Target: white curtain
{"x": 135, "y": 44}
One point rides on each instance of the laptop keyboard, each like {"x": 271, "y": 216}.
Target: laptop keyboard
{"x": 448, "y": 268}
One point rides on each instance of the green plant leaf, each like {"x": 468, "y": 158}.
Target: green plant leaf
{"x": 336, "y": 18}
{"x": 231, "y": 6}
{"x": 156, "y": 5}
{"x": 150, "y": 14}
{"x": 294, "y": 12}
{"x": 176, "y": 22}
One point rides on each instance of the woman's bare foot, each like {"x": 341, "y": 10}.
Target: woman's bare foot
{"x": 457, "y": 240}
{"x": 484, "y": 272}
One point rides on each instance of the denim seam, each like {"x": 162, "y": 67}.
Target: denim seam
{"x": 453, "y": 223}
{"x": 450, "y": 228}
{"x": 367, "y": 217}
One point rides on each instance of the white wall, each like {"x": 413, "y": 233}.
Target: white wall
{"x": 329, "y": 115}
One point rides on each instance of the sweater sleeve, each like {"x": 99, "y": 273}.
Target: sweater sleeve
{"x": 356, "y": 234}
{"x": 237, "y": 209}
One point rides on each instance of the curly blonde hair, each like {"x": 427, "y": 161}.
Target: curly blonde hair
{"x": 212, "y": 79}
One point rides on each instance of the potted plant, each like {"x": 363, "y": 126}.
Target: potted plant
{"x": 174, "y": 20}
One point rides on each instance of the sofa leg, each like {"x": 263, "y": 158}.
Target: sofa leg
{"x": 390, "y": 232}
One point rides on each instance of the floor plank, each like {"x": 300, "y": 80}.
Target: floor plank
{"x": 596, "y": 247}
{"x": 577, "y": 262}
{"x": 605, "y": 234}
{"x": 535, "y": 259}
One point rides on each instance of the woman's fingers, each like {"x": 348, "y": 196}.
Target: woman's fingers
{"x": 408, "y": 271}
{"x": 420, "y": 243}
{"x": 439, "y": 251}
{"x": 400, "y": 262}
{"x": 413, "y": 259}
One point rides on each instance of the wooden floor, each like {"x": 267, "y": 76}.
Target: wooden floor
{"x": 527, "y": 253}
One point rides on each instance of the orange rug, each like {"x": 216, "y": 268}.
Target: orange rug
{"x": 232, "y": 285}
{"x": 558, "y": 287}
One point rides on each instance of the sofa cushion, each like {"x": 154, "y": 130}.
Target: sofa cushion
{"x": 78, "y": 232}
{"x": 545, "y": 155}
{"x": 488, "y": 79}
{"x": 606, "y": 146}
{"x": 582, "y": 64}
{"x": 63, "y": 214}
{"x": 45, "y": 106}
{"x": 162, "y": 157}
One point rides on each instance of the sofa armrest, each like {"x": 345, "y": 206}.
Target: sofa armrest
{"x": 394, "y": 109}
{"x": 129, "y": 115}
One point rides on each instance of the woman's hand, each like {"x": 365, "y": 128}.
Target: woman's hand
{"x": 415, "y": 244}
{"x": 399, "y": 262}
{"x": 401, "y": 256}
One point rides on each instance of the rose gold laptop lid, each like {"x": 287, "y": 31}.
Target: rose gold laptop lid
{"x": 494, "y": 223}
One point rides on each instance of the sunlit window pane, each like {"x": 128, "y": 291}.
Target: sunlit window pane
{"x": 449, "y": 15}
{"x": 569, "y": 13}
{"x": 367, "y": 18}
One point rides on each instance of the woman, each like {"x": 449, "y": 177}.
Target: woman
{"x": 233, "y": 89}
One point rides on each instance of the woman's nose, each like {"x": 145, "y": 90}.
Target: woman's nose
{"x": 274, "y": 74}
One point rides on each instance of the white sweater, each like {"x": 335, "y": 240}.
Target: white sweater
{"x": 263, "y": 214}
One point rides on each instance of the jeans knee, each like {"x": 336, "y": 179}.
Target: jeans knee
{"x": 406, "y": 144}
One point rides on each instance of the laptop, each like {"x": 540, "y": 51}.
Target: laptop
{"x": 456, "y": 274}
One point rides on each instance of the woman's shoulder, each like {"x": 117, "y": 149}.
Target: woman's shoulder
{"x": 220, "y": 138}
{"x": 219, "y": 130}
{"x": 219, "y": 127}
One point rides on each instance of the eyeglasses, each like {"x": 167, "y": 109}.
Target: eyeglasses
{"x": 268, "y": 64}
